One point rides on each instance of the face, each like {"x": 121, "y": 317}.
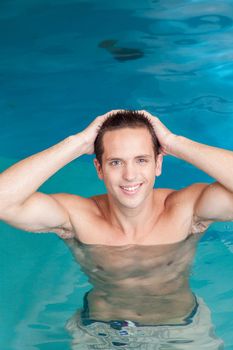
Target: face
{"x": 128, "y": 167}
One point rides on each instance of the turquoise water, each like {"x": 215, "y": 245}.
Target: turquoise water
{"x": 63, "y": 63}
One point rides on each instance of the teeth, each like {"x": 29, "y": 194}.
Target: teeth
{"x": 130, "y": 188}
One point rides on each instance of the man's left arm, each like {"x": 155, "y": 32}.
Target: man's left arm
{"x": 215, "y": 201}
{"x": 212, "y": 202}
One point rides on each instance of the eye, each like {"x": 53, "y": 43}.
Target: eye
{"x": 142, "y": 160}
{"x": 115, "y": 162}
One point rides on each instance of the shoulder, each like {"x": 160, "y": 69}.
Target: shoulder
{"x": 188, "y": 195}
{"x": 184, "y": 198}
{"x": 183, "y": 203}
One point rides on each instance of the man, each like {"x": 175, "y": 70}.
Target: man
{"x": 157, "y": 225}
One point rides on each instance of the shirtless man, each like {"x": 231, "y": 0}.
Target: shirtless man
{"x": 135, "y": 242}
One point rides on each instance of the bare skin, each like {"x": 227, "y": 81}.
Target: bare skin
{"x": 131, "y": 214}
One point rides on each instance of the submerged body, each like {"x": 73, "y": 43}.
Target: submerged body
{"x": 140, "y": 298}
{"x": 145, "y": 284}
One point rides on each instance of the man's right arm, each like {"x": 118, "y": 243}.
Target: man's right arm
{"x": 20, "y": 203}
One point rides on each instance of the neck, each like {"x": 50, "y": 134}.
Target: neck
{"x": 133, "y": 221}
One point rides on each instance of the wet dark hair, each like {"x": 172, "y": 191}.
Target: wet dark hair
{"x": 124, "y": 119}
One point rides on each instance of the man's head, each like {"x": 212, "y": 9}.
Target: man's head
{"x": 127, "y": 158}
{"x": 120, "y": 120}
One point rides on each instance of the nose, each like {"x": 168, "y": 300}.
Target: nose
{"x": 129, "y": 172}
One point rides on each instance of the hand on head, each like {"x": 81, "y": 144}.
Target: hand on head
{"x": 90, "y": 133}
{"x": 163, "y": 134}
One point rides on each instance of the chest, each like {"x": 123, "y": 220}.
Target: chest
{"x": 174, "y": 225}
{"x": 135, "y": 264}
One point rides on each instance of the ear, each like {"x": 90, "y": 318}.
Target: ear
{"x": 159, "y": 162}
{"x": 98, "y": 168}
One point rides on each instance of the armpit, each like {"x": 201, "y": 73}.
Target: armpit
{"x": 64, "y": 234}
{"x": 200, "y": 226}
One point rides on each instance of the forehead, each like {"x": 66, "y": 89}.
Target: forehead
{"x": 127, "y": 142}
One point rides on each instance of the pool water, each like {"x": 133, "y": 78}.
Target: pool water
{"x": 62, "y": 64}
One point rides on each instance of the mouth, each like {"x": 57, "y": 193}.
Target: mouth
{"x": 130, "y": 190}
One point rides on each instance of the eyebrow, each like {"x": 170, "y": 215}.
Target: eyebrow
{"x": 141, "y": 156}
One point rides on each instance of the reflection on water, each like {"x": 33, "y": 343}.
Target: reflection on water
{"x": 121, "y": 53}
{"x": 140, "y": 299}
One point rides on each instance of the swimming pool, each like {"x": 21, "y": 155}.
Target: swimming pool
{"x": 63, "y": 63}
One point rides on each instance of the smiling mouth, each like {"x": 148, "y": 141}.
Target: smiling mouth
{"x": 131, "y": 189}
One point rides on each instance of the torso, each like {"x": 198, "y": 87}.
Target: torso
{"x": 145, "y": 280}
{"x": 147, "y": 284}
